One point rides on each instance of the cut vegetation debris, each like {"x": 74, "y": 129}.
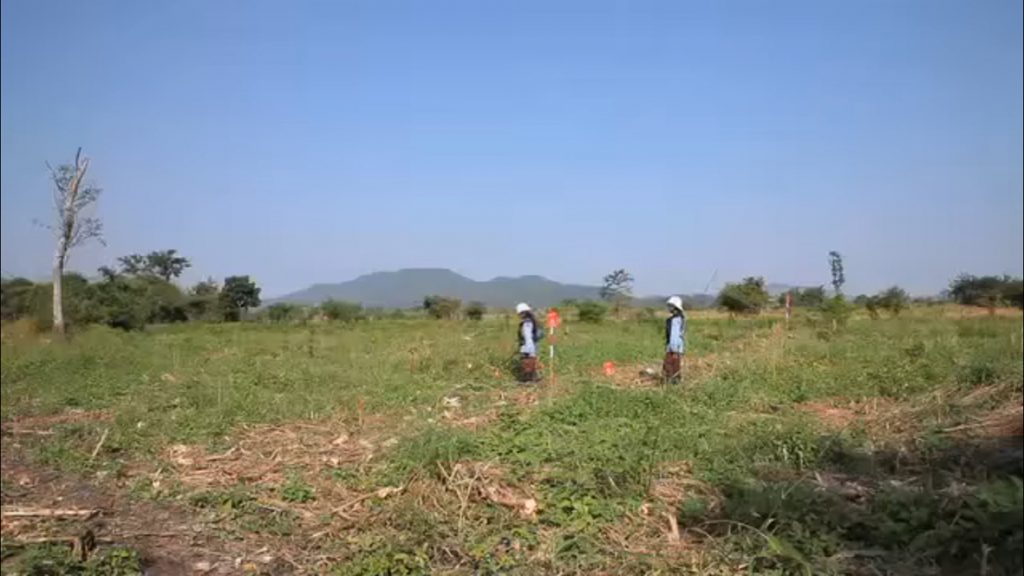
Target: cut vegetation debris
{"x": 887, "y": 446}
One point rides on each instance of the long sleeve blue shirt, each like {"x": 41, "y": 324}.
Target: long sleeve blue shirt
{"x": 677, "y": 334}
{"x": 527, "y": 346}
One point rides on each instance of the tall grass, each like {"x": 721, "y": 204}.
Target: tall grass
{"x": 589, "y": 449}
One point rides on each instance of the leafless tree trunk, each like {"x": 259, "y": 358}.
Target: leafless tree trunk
{"x": 70, "y": 197}
{"x": 58, "y": 286}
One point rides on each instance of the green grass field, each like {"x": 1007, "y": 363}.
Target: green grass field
{"x": 405, "y": 447}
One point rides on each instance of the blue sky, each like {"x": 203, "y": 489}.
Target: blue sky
{"x": 303, "y": 142}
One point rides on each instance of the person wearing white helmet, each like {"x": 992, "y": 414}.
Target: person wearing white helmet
{"x": 675, "y": 340}
{"x": 529, "y": 334}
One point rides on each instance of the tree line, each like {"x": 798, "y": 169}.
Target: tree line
{"x": 140, "y": 291}
{"x": 750, "y": 296}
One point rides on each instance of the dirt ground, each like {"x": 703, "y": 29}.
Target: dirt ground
{"x": 170, "y": 538}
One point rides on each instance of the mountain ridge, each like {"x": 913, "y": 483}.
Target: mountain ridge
{"x": 406, "y": 288}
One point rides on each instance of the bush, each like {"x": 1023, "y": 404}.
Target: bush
{"x": 283, "y": 312}
{"x": 15, "y": 298}
{"x": 805, "y": 298}
{"x": 837, "y": 310}
{"x": 748, "y": 297}
{"x": 79, "y": 305}
{"x": 341, "y": 311}
{"x": 475, "y": 311}
{"x": 591, "y": 311}
{"x": 870, "y": 304}
{"x": 203, "y": 307}
{"x": 164, "y": 301}
{"x": 988, "y": 291}
{"x": 441, "y": 307}
{"x": 124, "y": 303}
{"x": 894, "y": 300}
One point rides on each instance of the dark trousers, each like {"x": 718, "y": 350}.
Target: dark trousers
{"x": 527, "y": 368}
{"x": 672, "y": 367}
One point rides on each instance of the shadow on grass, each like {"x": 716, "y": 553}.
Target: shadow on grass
{"x": 950, "y": 506}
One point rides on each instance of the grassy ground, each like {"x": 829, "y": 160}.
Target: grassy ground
{"x": 405, "y": 447}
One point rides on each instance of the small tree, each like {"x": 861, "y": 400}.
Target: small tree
{"x": 617, "y": 289}
{"x": 747, "y": 297}
{"x": 237, "y": 296}
{"x": 835, "y": 262}
{"x": 166, "y": 264}
{"x": 591, "y": 311}
{"x": 72, "y": 196}
{"x": 893, "y": 299}
{"x": 836, "y": 308}
{"x": 133, "y": 264}
{"x": 476, "y": 310}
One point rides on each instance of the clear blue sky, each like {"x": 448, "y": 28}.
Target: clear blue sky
{"x": 305, "y": 142}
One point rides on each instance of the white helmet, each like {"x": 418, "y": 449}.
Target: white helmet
{"x": 522, "y": 307}
{"x": 676, "y": 302}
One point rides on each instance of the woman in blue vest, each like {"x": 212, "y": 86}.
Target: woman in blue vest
{"x": 675, "y": 340}
{"x": 527, "y": 343}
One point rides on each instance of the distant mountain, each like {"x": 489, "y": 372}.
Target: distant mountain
{"x": 407, "y": 288}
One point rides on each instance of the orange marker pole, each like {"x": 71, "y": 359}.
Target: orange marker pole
{"x": 552, "y": 354}
{"x": 553, "y": 323}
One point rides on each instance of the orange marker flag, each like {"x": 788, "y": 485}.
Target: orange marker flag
{"x": 554, "y": 321}
{"x": 609, "y": 368}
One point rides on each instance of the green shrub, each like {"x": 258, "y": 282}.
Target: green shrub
{"x": 283, "y": 312}
{"x": 441, "y": 307}
{"x": 591, "y": 311}
{"x": 748, "y": 297}
{"x": 837, "y": 310}
{"x": 297, "y": 490}
{"x": 475, "y": 310}
{"x": 341, "y": 311}
{"x": 893, "y": 299}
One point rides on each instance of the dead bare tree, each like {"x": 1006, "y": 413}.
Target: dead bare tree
{"x": 71, "y": 195}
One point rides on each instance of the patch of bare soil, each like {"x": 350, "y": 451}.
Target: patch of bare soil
{"x": 40, "y": 505}
{"x": 648, "y": 376}
{"x": 42, "y": 425}
{"x": 832, "y": 416}
{"x": 265, "y": 455}
{"x": 174, "y": 538}
{"x": 470, "y": 422}
{"x": 1006, "y": 420}
{"x": 978, "y": 311}
{"x": 653, "y": 529}
{"x": 996, "y": 413}
{"x": 268, "y": 458}
{"x": 487, "y": 482}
